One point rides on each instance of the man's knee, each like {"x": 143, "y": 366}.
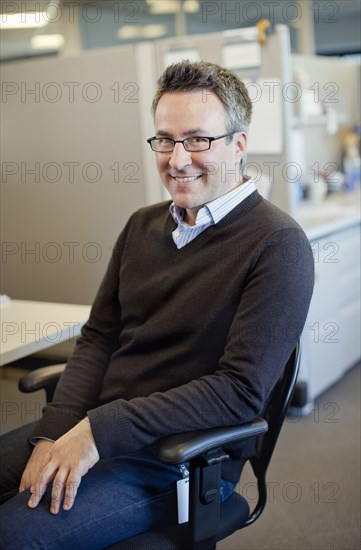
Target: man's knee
{"x": 15, "y": 451}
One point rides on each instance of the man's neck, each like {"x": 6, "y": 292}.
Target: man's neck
{"x": 190, "y": 214}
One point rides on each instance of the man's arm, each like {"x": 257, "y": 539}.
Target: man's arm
{"x": 53, "y": 435}
{"x": 266, "y": 326}
{"x": 81, "y": 382}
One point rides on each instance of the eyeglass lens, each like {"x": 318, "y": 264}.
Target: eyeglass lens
{"x": 190, "y": 144}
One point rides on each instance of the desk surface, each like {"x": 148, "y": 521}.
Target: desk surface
{"x": 336, "y": 213}
{"x": 29, "y": 327}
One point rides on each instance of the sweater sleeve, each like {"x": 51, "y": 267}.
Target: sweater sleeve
{"x": 266, "y": 326}
{"x": 81, "y": 382}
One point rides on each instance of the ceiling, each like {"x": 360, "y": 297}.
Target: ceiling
{"x": 66, "y": 26}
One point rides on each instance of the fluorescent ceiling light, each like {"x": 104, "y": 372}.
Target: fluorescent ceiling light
{"x": 154, "y": 31}
{"x": 47, "y": 41}
{"x": 191, "y": 6}
{"x": 158, "y": 7}
{"x": 129, "y": 31}
{"x": 22, "y": 20}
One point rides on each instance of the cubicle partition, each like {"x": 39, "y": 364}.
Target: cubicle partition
{"x": 72, "y": 170}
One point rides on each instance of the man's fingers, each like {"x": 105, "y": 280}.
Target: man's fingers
{"x": 57, "y": 493}
{"x": 39, "y": 487}
{"x": 39, "y": 457}
{"x": 69, "y": 458}
{"x": 23, "y": 485}
{"x": 64, "y": 486}
{"x": 72, "y": 487}
{"x": 37, "y": 491}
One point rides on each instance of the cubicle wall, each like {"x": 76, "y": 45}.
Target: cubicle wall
{"x": 72, "y": 169}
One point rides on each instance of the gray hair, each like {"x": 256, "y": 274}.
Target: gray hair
{"x": 188, "y": 76}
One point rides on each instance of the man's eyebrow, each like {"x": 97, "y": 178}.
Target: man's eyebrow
{"x": 191, "y": 132}
{"x": 195, "y": 131}
{"x": 163, "y": 133}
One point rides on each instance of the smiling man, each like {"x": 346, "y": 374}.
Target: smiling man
{"x": 201, "y": 306}
{"x": 204, "y": 166}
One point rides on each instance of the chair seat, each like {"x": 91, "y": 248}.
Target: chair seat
{"x": 234, "y": 513}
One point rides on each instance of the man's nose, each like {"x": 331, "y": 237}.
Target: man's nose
{"x": 180, "y": 157}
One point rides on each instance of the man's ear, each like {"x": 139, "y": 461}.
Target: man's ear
{"x": 240, "y": 143}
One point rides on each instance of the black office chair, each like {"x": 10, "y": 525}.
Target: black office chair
{"x": 209, "y": 521}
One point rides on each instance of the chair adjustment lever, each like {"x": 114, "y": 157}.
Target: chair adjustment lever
{"x": 204, "y": 504}
{"x": 208, "y": 496}
{"x": 215, "y": 457}
{"x": 210, "y": 475}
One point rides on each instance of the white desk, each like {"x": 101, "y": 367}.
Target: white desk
{"x": 331, "y": 337}
{"x": 29, "y": 327}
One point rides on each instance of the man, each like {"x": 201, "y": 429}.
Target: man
{"x": 202, "y": 303}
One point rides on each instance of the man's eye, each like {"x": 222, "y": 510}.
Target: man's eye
{"x": 197, "y": 140}
{"x": 164, "y": 141}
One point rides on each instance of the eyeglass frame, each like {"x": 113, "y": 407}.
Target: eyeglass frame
{"x": 210, "y": 141}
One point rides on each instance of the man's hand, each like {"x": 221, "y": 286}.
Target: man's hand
{"x": 65, "y": 462}
{"x": 36, "y": 463}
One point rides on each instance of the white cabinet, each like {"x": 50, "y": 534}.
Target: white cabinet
{"x": 331, "y": 337}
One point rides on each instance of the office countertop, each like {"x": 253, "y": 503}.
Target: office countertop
{"x": 338, "y": 212}
{"x": 29, "y": 327}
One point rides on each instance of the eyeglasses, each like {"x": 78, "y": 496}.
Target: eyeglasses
{"x": 192, "y": 144}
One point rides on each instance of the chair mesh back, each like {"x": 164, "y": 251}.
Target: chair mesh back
{"x": 275, "y": 411}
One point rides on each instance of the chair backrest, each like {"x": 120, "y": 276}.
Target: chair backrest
{"x": 274, "y": 413}
{"x": 276, "y": 409}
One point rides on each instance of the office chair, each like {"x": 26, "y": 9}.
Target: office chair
{"x": 209, "y": 521}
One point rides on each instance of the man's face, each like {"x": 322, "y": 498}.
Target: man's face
{"x": 193, "y": 179}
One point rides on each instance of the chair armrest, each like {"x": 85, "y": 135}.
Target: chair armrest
{"x": 173, "y": 449}
{"x": 178, "y": 448}
{"x": 39, "y": 379}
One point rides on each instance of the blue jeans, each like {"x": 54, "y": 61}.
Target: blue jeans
{"x": 118, "y": 498}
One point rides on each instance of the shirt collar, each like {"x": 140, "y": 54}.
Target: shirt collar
{"x": 203, "y": 215}
{"x": 216, "y": 209}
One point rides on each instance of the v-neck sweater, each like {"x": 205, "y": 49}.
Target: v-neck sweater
{"x": 190, "y": 338}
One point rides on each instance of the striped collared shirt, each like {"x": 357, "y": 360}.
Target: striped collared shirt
{"x": 210, "y": 214}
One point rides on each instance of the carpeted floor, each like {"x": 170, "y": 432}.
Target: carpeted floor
{"x": 314, "y": 480}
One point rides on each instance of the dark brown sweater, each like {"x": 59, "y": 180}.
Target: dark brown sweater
{"x": 180, "y": 340}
